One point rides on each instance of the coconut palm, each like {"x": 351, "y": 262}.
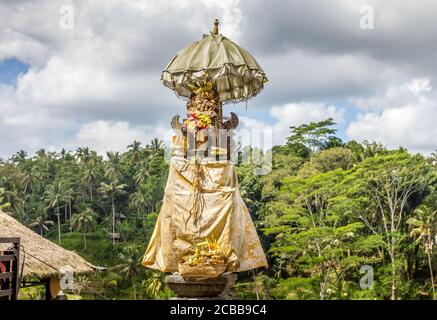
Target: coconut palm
{"x": 28, "y": 179}
{"x": 67, "y": 197}
{"x": 84, "y": 154}
{"x": 41, "y": 154}
{"x": 127, "y": 230}
{"x": 54, "y": 195}
{"x": 156, "y": 147}
{"x": 130, "y": 265}
{"x": 141, "y": 199}
{"x": 113, "y": 170}
{"x": 4, "y": 204}
{"x": 19, "y": 207}
{"x": 41, "y": 223}
{"x": 41, "y": 171}
{"x": 19, "y": 157}
{"x": 89, "y": 176}
{"x": 82, "y": 222}
{"x": 154, "y": 284}
{"x": 111, "y": 190}
{"x": 134, "y": 152}
{"x": 142, "y": 173}
{"x": 424, "y": 229}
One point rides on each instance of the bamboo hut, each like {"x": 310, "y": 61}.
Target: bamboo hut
{"x": 40, "y": 258}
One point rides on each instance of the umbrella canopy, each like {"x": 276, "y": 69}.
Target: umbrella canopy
{"x": 218, "y": 62}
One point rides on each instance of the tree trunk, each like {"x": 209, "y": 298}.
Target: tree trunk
{"x": 323, "y": 284}
{"x": 69, "y": 205}
{"x": 393, "y": 275}
{"x": 430, "y": 265}
{"x": 432, "y": 276}
{"x": 322, "y": 292}
{"x": 59, "y": 223}
{"x": 84, "y": 238}
{"x": 113, "y": 221}
{"x": 91, "y": 192}
{"x": 392, "y": 256}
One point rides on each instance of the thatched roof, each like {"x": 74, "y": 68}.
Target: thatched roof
{"x": 42, "y": 258}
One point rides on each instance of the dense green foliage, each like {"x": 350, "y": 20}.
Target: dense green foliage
{"x": 338, "y": 220}
{"x": 334, "y": 212}
{"x": 105, "y": 209}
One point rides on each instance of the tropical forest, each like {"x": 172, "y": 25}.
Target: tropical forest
{"x": 337, "y": 220}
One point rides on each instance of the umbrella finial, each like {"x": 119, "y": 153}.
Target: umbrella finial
{"x": 216, "y": 24}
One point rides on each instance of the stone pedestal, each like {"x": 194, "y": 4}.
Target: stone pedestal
{"x": 201, "y": 288}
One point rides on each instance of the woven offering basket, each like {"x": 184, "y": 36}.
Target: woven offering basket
{"x": 204, "y": 270}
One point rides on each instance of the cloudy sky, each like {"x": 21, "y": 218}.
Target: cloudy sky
{"x": 93, "y": 80}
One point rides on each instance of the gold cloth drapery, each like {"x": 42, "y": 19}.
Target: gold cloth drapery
{"x": 221, "y": 215}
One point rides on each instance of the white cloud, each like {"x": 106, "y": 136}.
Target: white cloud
{"x": 410, "y": 122}
{"x": 394, "y": 95}
{"x": 105, "y": 136}
{"x": 418, "y": 86}
{"x": 231, "y": 18}
{"x": 103, "y": 76}
{"x": 293, "y": 114}
{"x": 298, "y": 113}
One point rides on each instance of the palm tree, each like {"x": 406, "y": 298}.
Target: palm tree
{"x": 134, "y": 152}
{"x": 41, "y": 223}
{"x": 82, "y": 221}
{"x": 41, "y": 153}
{"x": 113, "y": 170}
{"x": 130, "y": 265}
{"x": 154, "y": 284}
{"x": 142, "y": 173}
{"x": 424, "y": 228}
{"x": 4, "y": 204}
{"x": 67, "y": 197}
{"x": 89, "y": 176}
{"x": 84, "y": 154}
{"x": 19, "y": 157}
{"x": 111, "y": 190}
{"x": 40, "y": 171}
{"x": 18, "y": 206}
{"x": 62, "y": 154}
{"x": 27, "y": 179}
{"x": 156, "y": 147}
{"x": 141, "y": 199}
{"x": 54, "y": 195}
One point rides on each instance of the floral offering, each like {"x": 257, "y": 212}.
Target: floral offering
{"x": 197, "y": 121}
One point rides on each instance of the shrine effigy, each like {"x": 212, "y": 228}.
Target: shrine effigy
{"x": 204, "y": 228}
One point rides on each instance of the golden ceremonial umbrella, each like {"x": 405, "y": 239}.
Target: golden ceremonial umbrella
{"x": 218, "y": 62}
